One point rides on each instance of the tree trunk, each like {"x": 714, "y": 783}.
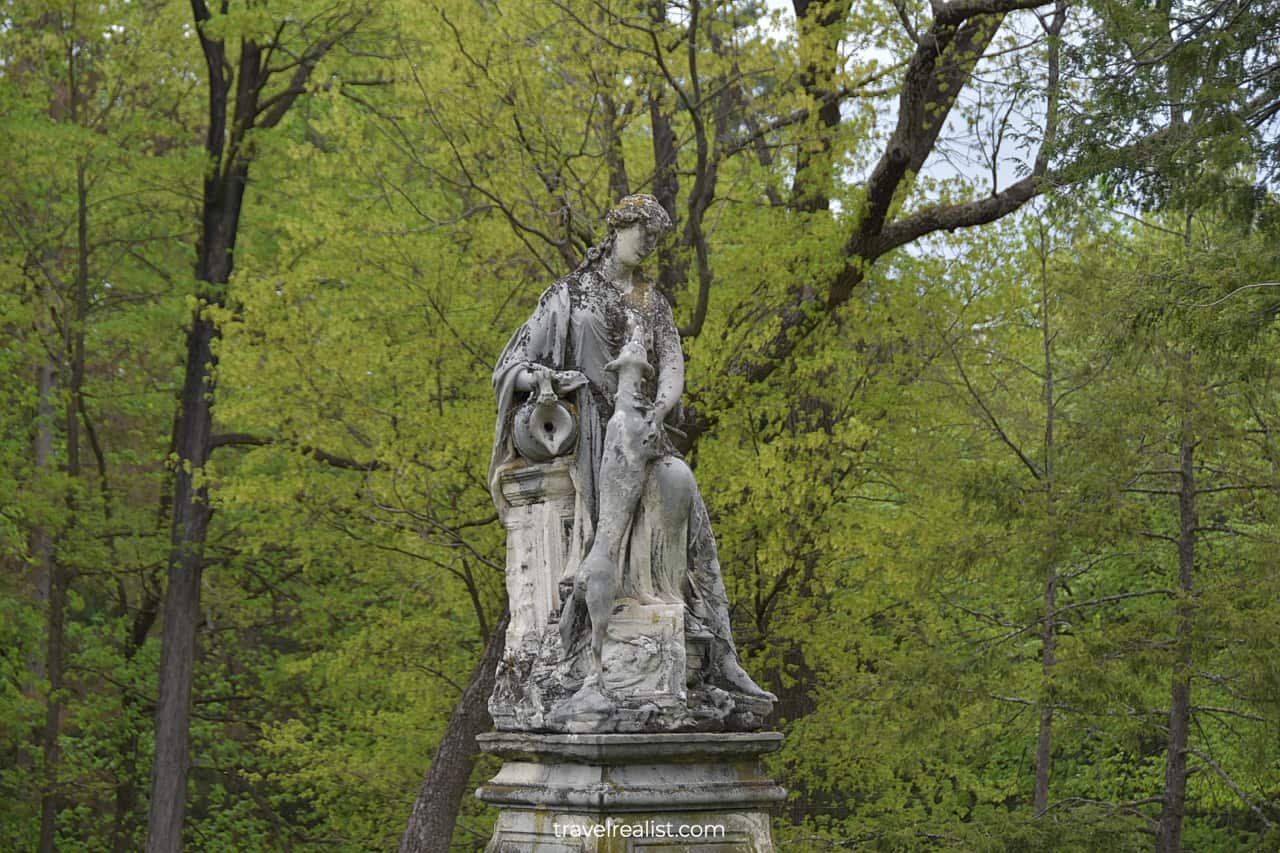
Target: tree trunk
{"x": 1049, "y": 643}
{"x": 126, "y": 790}
{"x": 40, "y": 544}
{"x": 1169, "y": 830}
{"x": 430, "y": 827}
{"x": 1048, "y": 659}
{"x": 231, "y": 122}
{"x": 191, "y": 514}
{"x": 619, "y": 182}
{"x": 55, "y": 660}
{"x": 223, "y": 196}
{"x": 73, "y": 337}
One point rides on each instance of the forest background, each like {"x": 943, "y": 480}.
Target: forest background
{"x": 979, "y": 303}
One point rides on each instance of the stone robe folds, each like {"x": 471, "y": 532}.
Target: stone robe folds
{"x": 581, "y": 323}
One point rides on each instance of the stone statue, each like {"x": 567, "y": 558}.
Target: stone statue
{"x": 619, "y": 616}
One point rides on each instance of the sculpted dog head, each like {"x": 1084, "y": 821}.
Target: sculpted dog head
{"x": 632, "y": 364}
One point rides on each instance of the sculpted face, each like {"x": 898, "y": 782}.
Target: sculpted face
{"x": 634, "y": 243}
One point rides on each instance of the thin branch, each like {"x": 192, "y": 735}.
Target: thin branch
{"x": 1092, "y": 602}
{"x": 242, "y": 439}
{"x": 995, "y": 424}
{"x": 1130, "y": 807}
{"x": 1235, "y": 789}
{"x": 1230, "y": 712}
{"x": 906, "y": 21}
{"x": 1234, "y": 292}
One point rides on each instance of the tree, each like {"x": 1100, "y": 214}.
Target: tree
{"x": 251, "y": 87}
{"x": 84, "y": 229}
{"x": 1195, "y": 474}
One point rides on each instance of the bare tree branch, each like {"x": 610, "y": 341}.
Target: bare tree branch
{"x": 1235, "y": 789}
{"x": 242, "y": 439}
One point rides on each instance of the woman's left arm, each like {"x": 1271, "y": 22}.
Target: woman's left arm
{"x": 670, "y": 362}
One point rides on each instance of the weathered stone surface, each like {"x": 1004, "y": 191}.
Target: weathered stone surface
{"x": 644, "y": 653}
{"x": 619, "y": 619}
{"x": 654, "y": 662}
{"x": 539, "y": 524}
{"x": 678, "y": 793}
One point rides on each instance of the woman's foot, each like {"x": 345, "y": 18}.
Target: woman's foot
{"x": 735, "y": 677}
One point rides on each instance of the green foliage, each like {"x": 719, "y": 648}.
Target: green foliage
{"x": 888, "y": 501}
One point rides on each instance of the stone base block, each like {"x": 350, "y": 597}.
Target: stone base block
{"x": 644, "y": 654}
{"x": 623, "y": 793}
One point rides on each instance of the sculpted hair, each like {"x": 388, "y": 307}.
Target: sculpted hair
{"x": 640, "y": 207}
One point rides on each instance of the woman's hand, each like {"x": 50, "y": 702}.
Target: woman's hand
{"x": 654, "y": 421}
{"x": 562, "y": 381}
{"x": 532, "y": 375}
{"x": 568, "y": 380}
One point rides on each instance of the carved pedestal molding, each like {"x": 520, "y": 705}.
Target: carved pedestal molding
{"x": 619, "y": 793}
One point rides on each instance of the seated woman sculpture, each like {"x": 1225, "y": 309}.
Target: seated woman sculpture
{"x": 579, "y": 330}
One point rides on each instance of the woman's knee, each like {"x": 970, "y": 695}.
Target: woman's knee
{"x": 674, "y": 479}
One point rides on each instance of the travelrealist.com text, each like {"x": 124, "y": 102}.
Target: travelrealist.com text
{"x": 640, "y": 829}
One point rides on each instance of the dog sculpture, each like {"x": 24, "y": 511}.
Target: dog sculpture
{"x": 629, "y": 445}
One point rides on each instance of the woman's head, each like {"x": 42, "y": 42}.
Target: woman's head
{"x": 639, "y": 212}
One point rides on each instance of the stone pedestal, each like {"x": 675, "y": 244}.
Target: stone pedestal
{"x": 539, "y": 528}
{"x": 631, "y": 793}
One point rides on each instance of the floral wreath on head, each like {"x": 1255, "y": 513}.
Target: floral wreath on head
{"x": 640, "y": 207}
